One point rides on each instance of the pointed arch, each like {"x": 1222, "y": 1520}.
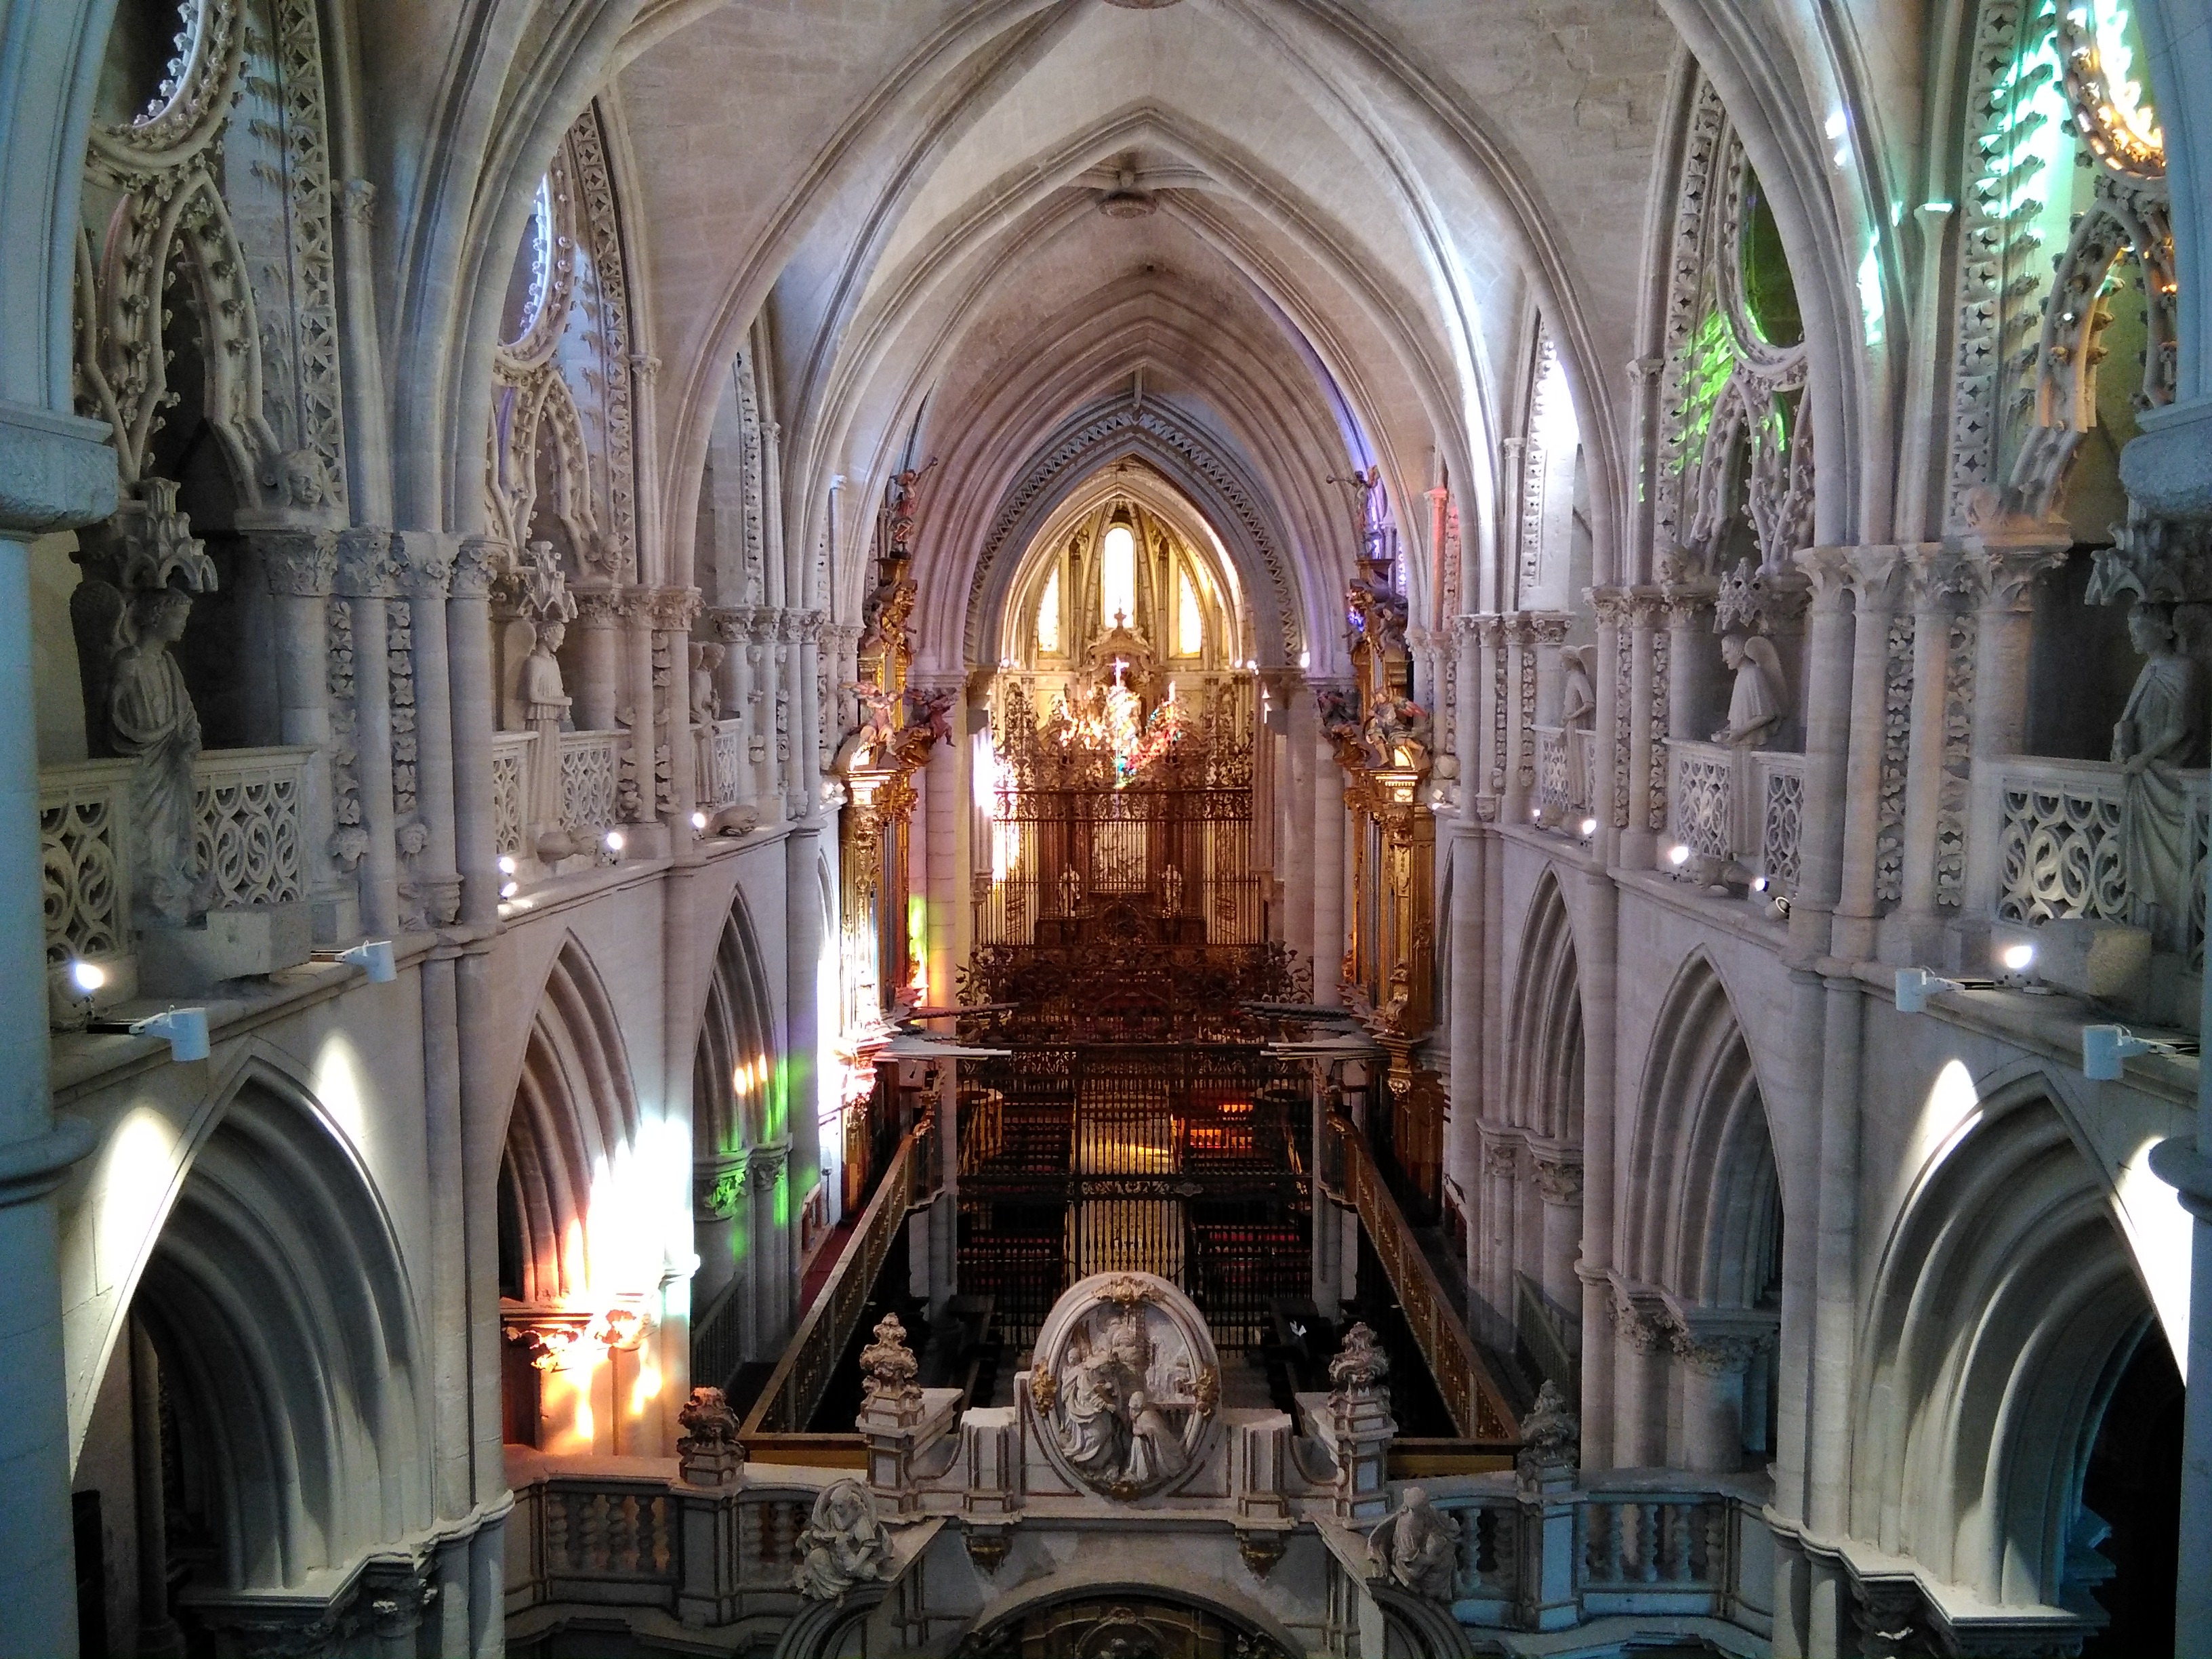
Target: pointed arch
{"x": 1545, "y": 1089}
{"x": 2005, "y": 1305}
{"x": 278, "y": 1303}
{"x": 735, "y": 1079}
{"x": 1703, "y": 1211}
{"x": 574, "y": 1112}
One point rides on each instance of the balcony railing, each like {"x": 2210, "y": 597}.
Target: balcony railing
{"x": 1740, "y": 804}
{"x": 2062, "y": 850}
{"x": 721, "y": 762}
{"x": 590, "y": 772}
{"x": 1566, "y": 764}
{"x": 246, "y": 842}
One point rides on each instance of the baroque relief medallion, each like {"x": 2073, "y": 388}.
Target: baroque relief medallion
{"x": 1125, "y": 1385}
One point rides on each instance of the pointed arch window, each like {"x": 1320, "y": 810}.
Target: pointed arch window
{"x": 1117, "y": 576}
{"x": 1047, "y": 615}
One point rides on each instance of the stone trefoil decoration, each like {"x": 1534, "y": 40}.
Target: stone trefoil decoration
{"x": 1126, "y": 1385}
{"x": 843, "y": 1544}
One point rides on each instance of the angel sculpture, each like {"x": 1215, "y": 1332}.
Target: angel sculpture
{"x": 1756, "y": 704}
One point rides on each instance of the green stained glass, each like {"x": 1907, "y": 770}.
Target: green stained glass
{"x": 1768, "y": 293}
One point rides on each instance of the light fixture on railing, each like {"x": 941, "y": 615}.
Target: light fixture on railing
{"x": 2018, "y": 961}
{"x": 184, "y": 1029}
{"x": 1679, "y": 856}
{"x": 2106, "y": 1049}
{"x": 610, "y": 846}
{"x": 372, "y": 956}
{"x": 1588, "y": 829}
{"x": 1916, "y": 985}
{"x": 506, "y": 864}
{"x": 699, "y": 823}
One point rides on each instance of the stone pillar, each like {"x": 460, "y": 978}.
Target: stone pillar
{"x": 597, "y": 689}
{"x": 1463, "y": 1024}
{"x": 784, "y": 624}
{"x": 1595, "y": 962}
{"x": 1639, "y": 841}
{"x": 806, "y": 1020}
{"x": 759, "y": 711}
{"x": 728, "y": 628}
{"x": 941, "y": 813}
{"x": 1491, "y": 695}
{"x": 1640, "y": 1342}
{"x": 158, "y": 1636}
{"x": 468, "y": 644}
{"x": 365, "y": 583}
{"x": 1519, "y": 646}
{"x": 2004, "y": 581}
{"x": 1549, "y": 629}
{"x": 807, "y": 741}
{"x": 1713, "y": 1365}
{"x": 1329, "y": 874}
{"x": 1501, "y": 1167}
{"x": 1691, "y": 657}
{"x": 300, "y": 566}
{"x": 1827, "y": 743}
{"x": 1835, "y": 1262}
{"x": 645, "y": 738}
{"x": 675, "y": 609}
{"x": 1559, "y": 1185}
{"x": 1912, "y": 933}
{"x": 1467, "y": 725}
{"x": 430, "y": 882}
{"x": 58, "y": 473}
{"x": 1609, "y": 798}
{"x": 1875, "y": 576}
{"x": 1295, "y": 863}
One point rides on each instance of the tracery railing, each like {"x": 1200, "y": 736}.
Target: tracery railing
{"x": 590, "y": 772}
{"x": 511, "y": 753}
{"x": 85, "y": 863}
{"x": 721, "y": 762}
{"x": 246, "y": 825}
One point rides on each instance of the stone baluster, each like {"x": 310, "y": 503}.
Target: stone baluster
{"x": 1875, "y": 574}
{"x": 365, "y": 584}
{"x": 1911, "y": 934}
{"x": 1828, "y": 744}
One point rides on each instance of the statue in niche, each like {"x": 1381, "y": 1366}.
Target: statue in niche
{"x": 544, "y": 699}
{"x": 2162, "y": 730}
{"x": 1757, "y": 703}
{"x": 843, "y": 1543}
{"x": 150, "y": 718}
{"x": 1578, "y": 697}
{"x": 705, "y": 701}
{"x": 1417, "y": 1547}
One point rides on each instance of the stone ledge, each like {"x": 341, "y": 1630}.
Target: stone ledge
{"x": 56, "y": 471}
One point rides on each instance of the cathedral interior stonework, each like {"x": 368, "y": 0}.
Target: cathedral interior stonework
{"x": 1105, "y": 829}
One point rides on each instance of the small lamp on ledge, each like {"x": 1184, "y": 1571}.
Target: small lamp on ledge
{"x": 2105, "y": 1051}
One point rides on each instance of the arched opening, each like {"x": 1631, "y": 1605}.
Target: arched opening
{"x": 1703, "y": 1235}
{"x": 261, "y": 1427}
{"x": 740, "y": 1158}
{"x": 1103, "y": 1624}
{"x": 586, "y": 1188}
{"x": 2006, "y": 1311}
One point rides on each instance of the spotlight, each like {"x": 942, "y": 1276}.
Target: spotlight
{"x": 1916, "y": 985}
{"x": 2105, "y": 1049}
{"x": 1759, "y": 883}
{"x": 1535, "y": 815}
{"x": 1589, "y": 828}
{"x": 506, "y": 864}
{"x": 2017, "y": 957}
{"x": 374, "y": 957}
{"x": 185, "y": 1031}
{"x": 87, "y": 976}
{"x": 508, "y": 889}
{"x": 612, "y": 840}
{"x": 699, "y": 821}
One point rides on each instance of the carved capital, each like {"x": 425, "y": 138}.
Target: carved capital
{"x": 730, "y": 625}
{"x": 1559, "y": 1178}
{"x": 356, "y": 202}
{"x": 1643, "y": 1330}
{"x": 370, "y": 565}
{"x": 1549, "y": 626}
{"x": 1613, "y": 605}
{"x": 477, "y": 564}
{"x": 1877, "y": 576}
{"x": 428, "y": 570}
{"x": 1466, "y": 627}
{"x": 1688, "y": 605}
{"x": 1827, "y": 574}
{"x": 299, "y": 564}
{"x": 2004, "y": 577}
{"x": 2155, "y": 561}
{"x": 1935, "y": 576}
{"x": 1713, "y": 1355}
{"x": 597, "y": 607}
{"x": 1501, "y": 1157}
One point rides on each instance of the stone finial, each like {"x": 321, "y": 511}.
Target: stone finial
{"x": 843, "y": 1543}
{"x": 1739, "y": 607}
{"x": 1357, "y": 1370}
{"x": 710, "y": 1451}
{"x": 889, "y": 1369}
{"x": 1550, "y": 1436}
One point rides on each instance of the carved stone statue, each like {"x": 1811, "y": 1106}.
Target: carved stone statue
{"x": 2162, "y": 730}
{"x": 151, "y": 718}
{"x": 545, "y": 698}
{"x": 1551, "y": 1438}
{"x": 1126, "y": 1381}
{"x": 1578, "y": 697}
{"x": 1357, "y": 1371}
{"x": 889, "y": 1369}
{"x": 705, "y": 701}
{"x": 1417, "y": 1547}
{"x": 545, "y": 706}
{"x": 843, "y": 1543}
{"x": 1757, "y": 703}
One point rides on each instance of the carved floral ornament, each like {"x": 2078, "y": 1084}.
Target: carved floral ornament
{"x": 1123, "y": 1394}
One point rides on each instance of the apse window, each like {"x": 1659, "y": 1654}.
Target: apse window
{"x": 1190, "y": 622}
{"x": 1047, "y": 615}
{"x": 1117, "y": 576}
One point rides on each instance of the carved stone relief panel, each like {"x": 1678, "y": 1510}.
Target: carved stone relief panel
{"x": 1125, "y": 1385}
